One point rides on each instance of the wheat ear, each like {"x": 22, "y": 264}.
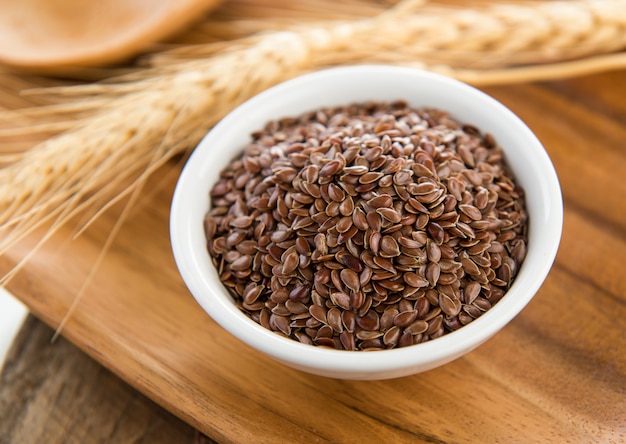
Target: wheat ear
{"x": 115, "y": 141}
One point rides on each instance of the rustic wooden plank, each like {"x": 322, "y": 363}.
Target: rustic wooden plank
{"x": 585, "y": 146}
{"x": 594, "y": 96}
{"x": 556, "y": 373}
{"x": 54, "y": 393}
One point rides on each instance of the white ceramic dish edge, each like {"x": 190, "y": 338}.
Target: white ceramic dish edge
{"x": 12, "y": 315}
{"x": 342, "y": 86}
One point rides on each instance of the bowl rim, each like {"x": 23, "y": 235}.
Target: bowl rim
{"x": 290, "y": 351}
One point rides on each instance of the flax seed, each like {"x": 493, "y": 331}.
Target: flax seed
{"x": 383, "y": 227}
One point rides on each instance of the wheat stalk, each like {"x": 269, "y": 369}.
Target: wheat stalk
{"x": 492, "y": 36}
{"x": 136, "y": 121}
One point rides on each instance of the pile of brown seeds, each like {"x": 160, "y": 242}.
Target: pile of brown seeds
{"x": 365, "y": 227}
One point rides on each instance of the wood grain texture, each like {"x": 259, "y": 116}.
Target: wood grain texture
{"x": 556, "y": 373}
{"x": 54, "y": 393}
{"x": 57, "y": 36}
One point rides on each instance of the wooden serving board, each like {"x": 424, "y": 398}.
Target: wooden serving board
{"x": 556, "y": 373}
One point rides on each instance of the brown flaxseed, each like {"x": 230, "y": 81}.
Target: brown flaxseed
{"x": 366, "y": 227}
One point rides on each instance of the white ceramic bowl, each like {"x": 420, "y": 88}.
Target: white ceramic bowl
{"x": 340, "y": 86}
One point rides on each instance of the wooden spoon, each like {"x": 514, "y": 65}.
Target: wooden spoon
{"x": 59, "y": 35}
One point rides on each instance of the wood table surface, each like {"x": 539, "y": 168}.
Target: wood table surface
{"x": 556, "y": 373}
{"x": 58, "y": 394}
